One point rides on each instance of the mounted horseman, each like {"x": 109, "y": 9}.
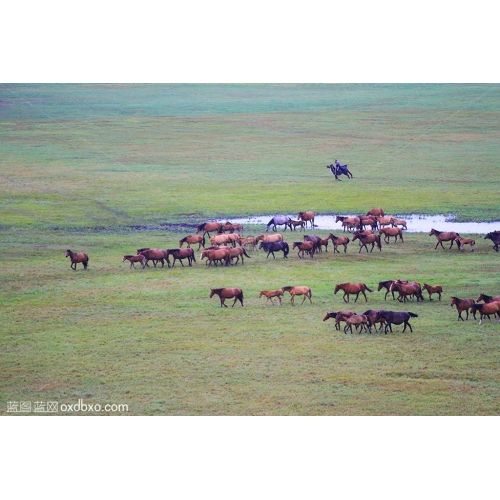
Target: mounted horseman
{"x": 338, "y": 169}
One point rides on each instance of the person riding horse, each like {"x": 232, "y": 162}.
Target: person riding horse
{"x": 339, "y": 169}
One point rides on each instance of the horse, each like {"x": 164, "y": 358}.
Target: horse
{"x": 371, "y": 314}
{"x": 390, "y": 232}
{"x": 339, "y": 240}
{"x": 359, "y": 321}
{"x": 306, "y": 217}
{"x": 398, "y": 222}
{"x": 462, "y": 305}
{"x": 180, "y": 254}
{"x": 461, "y": 242}
{"x": 387, "y": 285}
{"x": 485, "y": 309}
{"x": 297, "y": 223}
{"x": 339, "y": 316}
{"x": 275, "y": 246}
{"x": 304, "y": 247}
{"x": 233, "y": 239}
{"x": 367, "y": 220}
{"x": 192, "y": 240}
{"x": 268, "y": 238}
{"x": 269, "y": 294}
{"x": 250, "y": 241}
{"x": 227, "y": 293}
{"x": 323, "y": 242}
{"x": 488, "y": 298}
{"x": 230, "y": 227}
{"x": 209, "y": 227}
{"x": 316, "y": 241}
{"x": 135, "y": 258}
{"x": 376, "y": 212}
{"x": 348, "y": 222}
{"x": 494, "y": 236}
{"x": 395, "y": 318}
{"x": 366, "y": 239}
{"x": 298, "y": 290}
{"x": 340, "y": 170}
{"x": 217, "y": 255}
{"x": 154, "y": 254}
{"x": 352, "y": 289}
{"x": 77, "y": 258}
{"x": 383, "y": 221}
{"x": 444, "y": 236}
{"x": 407, "y": 290}
{"x": 220, "y": 239}
{"x": 433, "y": 289}
{"x": 278, "y": 220}
{"x": 237, "y": 253}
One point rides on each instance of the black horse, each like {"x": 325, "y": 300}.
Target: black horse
{"x": 275, "y": 246}
{"x": 392, "y": 317}
{"x": 340, "y": 170}
{"x": 494, "y": 236}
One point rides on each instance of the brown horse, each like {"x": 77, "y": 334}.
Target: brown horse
{"x": 398, "y": 222}
{"x": 461, "y": 242}
{"x": 387, "y": 285}
{"x": 444, "y": 236}
{"x": 220, "y": 239}
{"x": 486, "y": 309}
{"x": 359, "y": 321}
{"x": 217, "y": 255}
{"x": 244, "y": 242}
{"x": 433, "y": 289}
{"x": 269, "y": 294}
{"x": 298, "y": 290}
{"x": 339, "y": 240}
{"x": 231, "y": 228}
{"x": 237, "y": 253}
{"x": 209, "y": 227}
{"x": 192, "y": 240}
{"x": 371, "y": 314}
{"x": 488, "y": 298}
{"x": 135, "y": 258}
{"x": 412, "y": 289}
{"x": 154, "y": 254}
{"x": 296, "y": 223}
{"x": 77, "y": 258}
{"x": 352, "y": 289}
{"x": 269, "y": 238}
{"x": 233, "y": 238}
{"x": 366, "y": 239}
{"x": 306, "y": 217}
{"x": 390, "y": 232}
{"x": 348, "y": 222}
{"x": 227, "y": 293}
{"x": 367, "y": 220}
{"x": 462, "y": 305}
{"x": 180, "y": 254}
{"x": 304, "y": 247}
{"x": 376, "y": 212}
{"x": 339, "y": 316}
{"x": 384, "y": 221}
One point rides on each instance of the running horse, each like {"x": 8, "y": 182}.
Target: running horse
{"x": 494, "y": 236}
{"x": 306, "y": 217}
{"x": 340, "y": 170}
{"x": 279, "y": 220}
{"x": 227, "y": 293}
{"x": 444, "y": 236}
{"x": 352, "y": 289}
{"x": 77, "y": 258}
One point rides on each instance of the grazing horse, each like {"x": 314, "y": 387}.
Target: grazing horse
{"x": 135, "y": 258}
{"x": 376, "y": 212}
{"x": 339, "y": 316}
{"x": 268, "y": 238}
{"x": 304, "y": 247}
{"x": 485, "y": 309}
{"x": 387, "y": 285}
{"x": 209, "y": 227}
{"x": 180, "y": 254}
{"x": 494, "y": 236}
{"x": 366, "y": 239}
{"x": 340, "y": 170}
{"x": 297, "y": 223}
{"x": 390, "y": 232}
{"x": 348, "y": 222}
{"x": 462, "y": 305}
{"x": 488, "y": 298}
{"x": 306, "y": 217}
{"x": 217, "y": 255}
{"x": 444, "y": 236}
{"x": 237, "y": 253}
{"x": 275, "y": 246}
{"x": 413, "y": 289}
{"x": 269, "y": 294}
{"x": 352, "y": 288}
{"x": 227, "y": 293}
{"x": 396, "y": 318}
{"x": 77, "y": 258}
{"x": 298, "y": 290}
{"x": 359, "y": 321}
{"x": 154, "y": 254}
{"x": 339, "y": 240}
{"x": 192, "y": 240}
{"x": 433, "y": 289}
{"x": 461, "y": 242}
{"x": 278, "y": 220}
{"x": 398, "y": 222}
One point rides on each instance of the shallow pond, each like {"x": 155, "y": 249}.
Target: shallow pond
{"x": 416, "y": 223}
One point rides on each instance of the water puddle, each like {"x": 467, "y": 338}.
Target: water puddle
{"x": 415, "y": 223}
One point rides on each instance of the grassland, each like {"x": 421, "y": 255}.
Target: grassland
{"x": 81, "y": 165}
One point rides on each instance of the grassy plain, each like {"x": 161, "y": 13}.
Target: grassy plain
{"x": 81, "y": 165}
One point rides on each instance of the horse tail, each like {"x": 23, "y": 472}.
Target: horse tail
{"x": 286, "y": 249}
{"x": 412, "y": 315}
{"x": 368, "y": 289}
{"x": 246, "y": 255}
{"x": 348, "y": 240}
{"x": 379, "y": 243}
{"x": 240, "y": 297}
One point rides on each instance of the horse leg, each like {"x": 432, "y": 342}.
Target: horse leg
{"x": 363, "y": 292}
{"x": 346, "y": 295}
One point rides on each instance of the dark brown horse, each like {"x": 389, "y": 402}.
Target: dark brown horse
{"x": 405, "y": 290}
{"x": 227, "y": 293}
{"x": 488, "y": 298}
{"x": 338, "y": 316}
{"x": 77, "y": 258}
{"x": 444, "y": 236}
{"x": 387, "y": 285}
{"x": 494, "y": 236}
{"x": 192, "y": 240}
{"x": 366, "y": 239}
{"x": 339, "y": 240}
{"x": 180, "y": 254}
{"x": 396, "y": 318}
{"x": 298, "y": 290}
{"x": 462, "y": 305}
{"x": 433, "y": 289}
{"x": 352, "y": 289}
{"x": 306, "y": 217}
{"x": 209, "y": 227}
{"x": 371, "y": 314}
{"x": 304, "y": 247}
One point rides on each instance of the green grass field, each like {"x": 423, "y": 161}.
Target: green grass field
{"x": 82, "y": 165}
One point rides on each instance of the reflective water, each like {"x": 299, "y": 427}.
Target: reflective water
{"x": 416, "y": 223}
